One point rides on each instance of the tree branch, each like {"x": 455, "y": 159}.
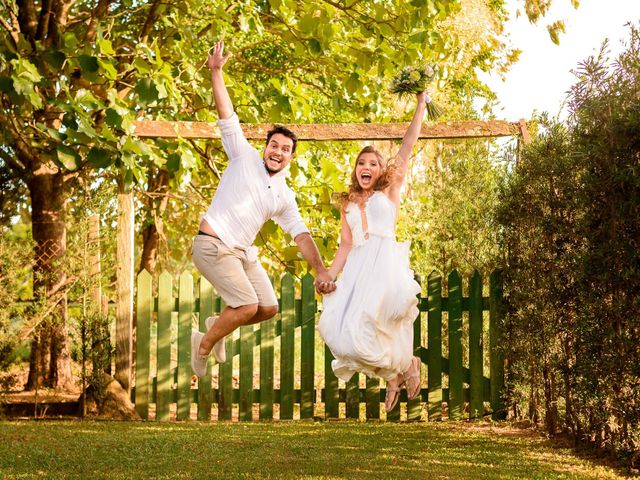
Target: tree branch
{"x": 97, "y": 14}
{"x": 27, "y": 18}
{"x": 149, "y": 22}
{"x": 13, "y": 27}
{"x": 59, "y": 21}
{"x": 45, "y": 18}
{"x": 13, "y": 32}
{"x": 13, "y": 163}
{"x": 204, "y": 154}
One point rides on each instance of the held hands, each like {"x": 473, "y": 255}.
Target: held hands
{"x": 216, "y": 59}
{"x": 324, "y": 283}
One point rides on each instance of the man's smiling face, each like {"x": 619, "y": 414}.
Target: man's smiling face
{"x": 278, "y": 153}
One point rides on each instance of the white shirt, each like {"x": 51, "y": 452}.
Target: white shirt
{"x": 247, "y": 196}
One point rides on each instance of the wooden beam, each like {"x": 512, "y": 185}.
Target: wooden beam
{"x": 333, "y": 131}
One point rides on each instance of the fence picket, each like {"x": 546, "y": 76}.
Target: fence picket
{"x": 287, "y": 347}
{"x": 207, "y": 300}
{"x": 456, "y": 400}
{"x": 414, "y": 407}
{"x": 331, "y": 393}
{"x": 267, "y": 335}
{"x": 144, "y": 314}
{"x": 434, "y": 344}
{"x": 307, "y": 347}
{"x": 245, "y": 404}
{"x": 353, "y": 397}
{"x": 372, "y": 395}
{"x": 185, "y": 323}
{"x": 476, "y": 409}
{"x": 225, "y": 378}
{"x": 165, "y": 308}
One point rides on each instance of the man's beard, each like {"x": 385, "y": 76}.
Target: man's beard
{"x": 270, "y": 170}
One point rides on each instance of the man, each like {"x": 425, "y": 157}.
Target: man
{"x": 251, "y": 191}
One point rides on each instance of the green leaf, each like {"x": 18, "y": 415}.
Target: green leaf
{"x": 88, "y": 63}
{"x": 26, "y": 70}
{"x": 69, "y": 121}
{"x": 54, "y": 58}
{"x": 127, "y": 181}
{"x": 173, "y": 162}
{"x": 108, "y": 69}
{"x": 112, "y": 118}
{"x": 56, "y": 134}
{"x": 146, "y": 90}
{"x": 141, "y": 66}
{"x": 133, "y": 145}
{"x": 100, "y": 157}
{"x": 106, "y": 47}
{"x": 269, "y": 228}
{"x": 69, "y": 40}
{"x": 291, "y": 254}
{"x": 26, "y": 88}
{"x": 315, "y": 47}
{"x": 308, "y": 23}
{"x": 187, "y": 159}
{"x": 420, "y": 37}
{"x": 68, "y": 157}
{"x": 353, "y": 83}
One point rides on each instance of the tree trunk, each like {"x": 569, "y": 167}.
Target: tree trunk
{"x": 156, "y": 206}
{"x": 50, "y": 362}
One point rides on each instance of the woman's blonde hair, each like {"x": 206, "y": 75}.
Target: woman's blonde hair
{"x": 354, "y": 187}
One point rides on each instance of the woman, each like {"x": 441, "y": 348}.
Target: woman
{"x": 368, "y": 321}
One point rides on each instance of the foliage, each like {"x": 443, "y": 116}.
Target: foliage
{"x": 72, "y": 85}
{"x": 571, "y": 213}
{"x": 285, "y": 450}
{"x": 448, "y": 211}
{"x": 15, "y": 272}
{"x": 536, "y": 9}
{"x": 289, "y": 64}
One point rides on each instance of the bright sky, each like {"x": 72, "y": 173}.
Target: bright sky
{"x": 540, "y": 79}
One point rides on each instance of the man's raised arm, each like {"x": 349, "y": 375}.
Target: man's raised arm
{"x": 215, "y": 62}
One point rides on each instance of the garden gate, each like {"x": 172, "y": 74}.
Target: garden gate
{"x": 280, "y": 369}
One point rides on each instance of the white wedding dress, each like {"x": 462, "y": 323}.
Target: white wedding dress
{"x": 367, "y": 322}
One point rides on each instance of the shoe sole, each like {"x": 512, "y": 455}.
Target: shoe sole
{"x": 196, "y": 338}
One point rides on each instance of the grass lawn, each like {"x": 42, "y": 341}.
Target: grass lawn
{"x": 291, "y": 450}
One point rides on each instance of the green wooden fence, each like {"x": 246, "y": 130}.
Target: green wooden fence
{"x": 275, "y": 369}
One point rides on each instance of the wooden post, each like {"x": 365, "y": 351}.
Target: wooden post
{"x": 124, "y": 287}
{"x": 524, "y": 131}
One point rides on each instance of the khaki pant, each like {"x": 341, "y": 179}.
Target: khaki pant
{"x": 238, "y": 280}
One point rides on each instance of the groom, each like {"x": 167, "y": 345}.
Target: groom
{"x": 251, "y": 191}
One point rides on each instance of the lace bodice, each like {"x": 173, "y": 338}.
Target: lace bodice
{"x": 380, "y": 218}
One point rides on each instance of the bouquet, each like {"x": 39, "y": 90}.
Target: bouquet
{"x": 413, "y": 80}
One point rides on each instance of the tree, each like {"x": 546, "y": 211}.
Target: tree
{"x": 73, "y": 76}
{"x": 570, "y": 214}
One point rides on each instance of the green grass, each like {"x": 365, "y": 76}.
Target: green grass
{"x": 291, "y": 450}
